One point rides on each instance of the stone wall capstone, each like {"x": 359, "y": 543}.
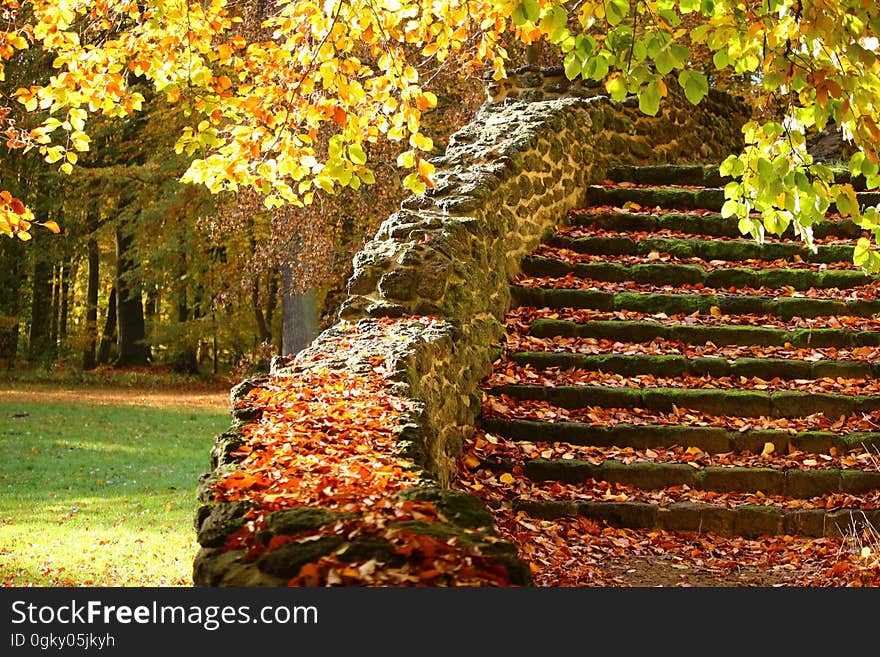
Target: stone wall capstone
{"x": 505, "y": 181}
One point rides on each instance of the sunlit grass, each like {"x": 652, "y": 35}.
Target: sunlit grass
{"x": 100, "y": 494}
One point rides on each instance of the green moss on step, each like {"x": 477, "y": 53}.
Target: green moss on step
{"x": 661, "y": 303}
{"x": 707, "y": 400}
{"x": 741, "y": 480}
{"x": 768, "y": 368}
{"x": 849, "y": 369}
{"x": 662, "y": 274}
{"x": 737, "y": 304}
{"x": 596, "y": 245}
{"x": 799, "y": 279}
{"x": 733, "y": 277}
{"x": 791, "y": 403}
{"x": 822, "y": 338}
{"x": 843, "y": 278}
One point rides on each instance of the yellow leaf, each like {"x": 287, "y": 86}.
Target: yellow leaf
{"x": 506, "y": 478}
{"x": 769, "y": 448}
{"x": 716, "y": 311}
{"x": 52, "y": 226}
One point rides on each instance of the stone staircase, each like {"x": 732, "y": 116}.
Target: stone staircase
{"x": 663, "y": 371}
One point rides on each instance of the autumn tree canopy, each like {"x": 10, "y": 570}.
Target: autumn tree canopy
{"x": 286, "y": 97}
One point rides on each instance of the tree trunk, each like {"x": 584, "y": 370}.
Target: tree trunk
{"x": 89, "y": 361}
{"x": 66, "y": 274}
{"x": 132, "y": 335}
{"x": 56, "y": 304}
{"x": 183, "y": 356}
{"x": 263, "y": 331}
{"x": 108, "y": 336}
{"x": 39, "y": 337}
{"x": 11, "y": 256}
{"x": 299, "y": 315}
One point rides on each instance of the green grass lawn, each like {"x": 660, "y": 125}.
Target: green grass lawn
{"x": 100, "y": 493}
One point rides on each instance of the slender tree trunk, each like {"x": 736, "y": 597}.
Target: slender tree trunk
{"x": 68, "y": 272}
{"x": 11, "y": 256}
{"x": 263, "y": 331}
{"x": 299, "y": 315}
{"x": 56, "y": 304}
{"x": 89, "y": 357}
{"x": 108, "y": 335}
{"x": 184, "y": 358}
{"x": 132, "y": 335}
{"x": 39, "y": 337}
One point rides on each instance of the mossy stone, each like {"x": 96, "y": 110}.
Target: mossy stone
{"x": 793, "y": 404}
{"x": 286, "y": 560}
{"x": 790, "y": 307}
{"x": 732, "y": 277}
{"x": 459, "y": 507}
{"x": 804, "y": 484}
{"x": 652, "y": 303}
{"x": 741, "y": 480}
{"x": 769, "y": 368}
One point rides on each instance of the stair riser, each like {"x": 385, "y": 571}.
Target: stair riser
{"x": 745, "y": 521}
{"x": 713, "y": 225}
{"x": 784, "y": 308}
{"x": 673, "y": 274}
{"x": 730, "y": 250}
{"x": 713, "y": 440}
{"x": 722, "y": 402}
{"x": 653, "y": 476}
{"x": 626, "y": 331}
{"x": 673, "y": 365}
{"x": 678, "y": 199}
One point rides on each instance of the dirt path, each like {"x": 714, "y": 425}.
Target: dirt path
{"x": 216, "y": 398}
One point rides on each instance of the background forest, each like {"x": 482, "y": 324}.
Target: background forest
{"x": 150, "y": 271}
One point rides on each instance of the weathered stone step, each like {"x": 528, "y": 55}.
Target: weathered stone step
{"x": 692, "y": 247}
{"x": 713, "y": 401}
{"x": 709, "y": 224}
{"x": 678, "y": 365}
{"x": 697, "y": 175}
{"x": 714, "y": 440}
{"x": 647, "y": 475}
{"x": 734, "y": 334}
{"x": 691, "y": 274}
{"x": 678, "y": 198}
{"x": 668, "y": 174}
{"x": 672, "y": 304}
{"x": 748, "y": 520}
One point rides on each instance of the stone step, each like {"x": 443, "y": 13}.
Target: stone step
{"x": 712, "y": 401}
{"x": 693, "y": 247}
{"x": 675, "y": 198}
{"x": 692, "y": 274}
{"x": 697, "y": 175}
{"x": 668, "y": 174}
{"x": 734, "y": 334}
{"x": 647, "y": 475}
{"x": 656, "y": 302}
{"x": 679, "y": 365}
{"x": 678, "y": 198}
{"x": 708, "y": 224}
{"x": 713, "y": 440}
{"x": 748, "y": 520}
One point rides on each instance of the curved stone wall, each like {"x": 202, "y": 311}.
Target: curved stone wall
{"x": 428, "y": 296}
